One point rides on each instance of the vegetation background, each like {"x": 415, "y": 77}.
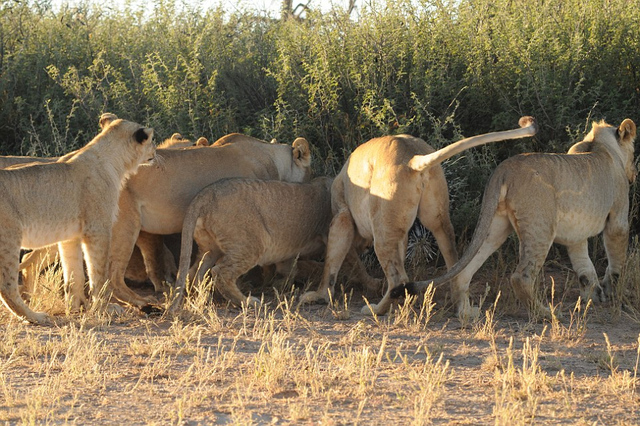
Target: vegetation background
{"x": 438, "y": 69}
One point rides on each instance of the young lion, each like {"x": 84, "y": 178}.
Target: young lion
{"x": 377, "y": 195}
{"x": 176, "y": 141}
{"x": 34, "y": 262}
{"x": 561, "y": 198}
{"x": 264, "y": 233}
{"x": 74, "y": 201}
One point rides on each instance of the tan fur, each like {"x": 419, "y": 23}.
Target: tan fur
{"x": 279, "y": 221}
{"x": 385, "y": 184}
{"x": 561, "y": 198}
{"x": 232, "y": 138}
{"x": 14, "y": 161}
{"x": 182, "y": 175}
{"x": 73, "y": 201}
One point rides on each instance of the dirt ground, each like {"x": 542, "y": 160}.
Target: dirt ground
{"x": 324, "y": 365}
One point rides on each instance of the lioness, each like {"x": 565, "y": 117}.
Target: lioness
{"x": 155, "y": 199}
{"x": 547, "y": 198}
{"x": 176, "y": 141}
{"x": 278, "y": 221}
{"x": 75, "y": 201}
{"x": 384, "y": 185}
{"x": 34, "y": 262}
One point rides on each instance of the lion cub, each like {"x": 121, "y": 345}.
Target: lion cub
{"x": 240, "y": 223}
{"x": 554, "y": 198}
{"x": 74, "y": 200}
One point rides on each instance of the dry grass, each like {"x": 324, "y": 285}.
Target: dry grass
{"x": 323, "y": 364}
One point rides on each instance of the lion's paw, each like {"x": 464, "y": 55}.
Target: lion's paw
{"x": 314, "y": 297}
{"x": 114, "y": 309}
{"x": 40, "y": 318}
{"x": 163, "y": 287}
{"x": 468, "y": 314}
{"x": 150, "y": 300}
{"x": 371, "y": 309}
{"x": 77, "y": 303}
{"x": 253, "y": 302}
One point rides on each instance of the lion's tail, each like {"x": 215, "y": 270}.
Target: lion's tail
{"x": 528, "y": 127}
{"x": 186, "y": 247}
{"x": 492, "y": 194}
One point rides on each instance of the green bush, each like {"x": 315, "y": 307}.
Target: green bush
{"x": 435, "y": 69}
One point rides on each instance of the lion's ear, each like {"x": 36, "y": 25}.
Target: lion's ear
{"x": 202, "y": 141}
{"x": 140, "y": 135}
{"x": 106, "y": 119}
{"x": 301, "y": 152}
{"x": 176, "y": 137}
{"x": 627, "y": 130}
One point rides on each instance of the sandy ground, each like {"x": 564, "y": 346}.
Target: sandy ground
{"x": 323, "y": 365}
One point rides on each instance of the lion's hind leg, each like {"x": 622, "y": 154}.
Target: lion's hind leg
{"x": 152, "y": 248}
{"x": 587, "y": 276}
{"x": 499, "y": 230}
{"x": 32, "y": 264}
{"x": 225, "y": 276}
{"x": 535, "y": 242}
{"x": 390, "y": 245}
{"x": 433, "y": 212}
{"x": 9, "y": 261}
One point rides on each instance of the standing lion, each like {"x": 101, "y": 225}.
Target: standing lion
{"x": 554, "y": 198}
{"x": 74, "y": 201}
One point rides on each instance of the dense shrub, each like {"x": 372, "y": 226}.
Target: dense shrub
{"x": 436, "y": 69}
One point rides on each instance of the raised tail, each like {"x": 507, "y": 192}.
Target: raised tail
{"x": 492, "y": 195}
{"x": 528, "y": 127}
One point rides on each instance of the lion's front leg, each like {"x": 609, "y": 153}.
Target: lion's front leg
{"x": 341, "y": 236}
{"x": 152, "y": 249}
{"x": 359, "y": 272}
{"x": 96, "y": 251}
{"x": 125, "y": 233}
{"x": 73, "y": 272}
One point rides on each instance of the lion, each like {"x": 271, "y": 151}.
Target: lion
{"x": 233, "y": 138}
{"x": 34, "y": 262}
{"x": 154, "y": 201}
{"x": 385, "y": 184}
{"x": 279, "y": 221}
{"x": 176, "y": 141}
{"x": 74, "y": 201}
{"x": 554, "y": 198}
